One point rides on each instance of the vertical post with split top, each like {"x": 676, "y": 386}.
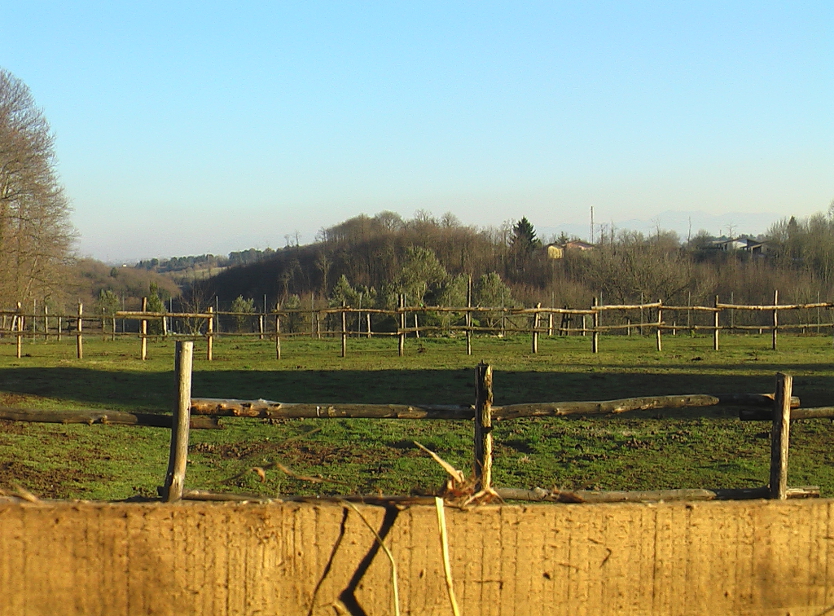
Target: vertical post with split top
{"x": 344, "y": 330}
{"x": 780, "y": 437}
{"x": 483, "y": 427}
{"x": 18, "y": 321}
{"x": 143, "y": 331}
{"x": 595, "y": 333}
{"x": 210, "y": 334}
{"x": 535, "y": 342}
{"x": 401, "y": 323}
{"x": 468, "y": 320}
{"x": 79, "y": 340}
{"x": 178, "y": 458}
{"x": 277, "y": 332}
{"x": 715, "y": 325}
{"x": 659, "y": 325}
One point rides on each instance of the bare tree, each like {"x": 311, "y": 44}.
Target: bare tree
{"x": 35, "y": 233}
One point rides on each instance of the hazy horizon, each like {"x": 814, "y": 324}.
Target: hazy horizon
{"x": 185, "y": 128}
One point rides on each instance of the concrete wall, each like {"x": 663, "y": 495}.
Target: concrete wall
{"x": 755, "y": 557}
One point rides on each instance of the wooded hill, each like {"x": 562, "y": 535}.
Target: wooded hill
{"x": 369, "y": 260}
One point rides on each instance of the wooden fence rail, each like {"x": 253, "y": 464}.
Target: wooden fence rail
{"x": 483, "y": 412}
{"x": 194, "y": 413}
{"x": 344, "y": 322}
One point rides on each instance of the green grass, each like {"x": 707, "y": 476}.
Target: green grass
{"x": 647, "y": 450}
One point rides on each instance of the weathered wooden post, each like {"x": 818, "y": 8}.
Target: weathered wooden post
{"x": 595, "y": 333}
{"x": 535, "y": 341}
{"x": 368, "y": 319}
{"x": 775, "y": 318}
{"x": 46, "y": 322}
{"x": 313, "y": 316}
{"x": 401, "y": 333}
{"x": 79, "y": 340}
{"x": 689, "y": 314}
{"x": 344, "y": 330}
{"x": 468, "y": 319}
{"x": 715, "y": 325}
{"x": 19, "y": 330}
{"x": 277, "y": 332}
{"x": 659, "y": 323}
{"x": 261, "y": 327}
{"x": 143, "y": 330}
{"x": 210, "y": 334}
{"x": 780, "y": 437}
{"x": 483, "y": 427}
{"x": 178, "y": 458}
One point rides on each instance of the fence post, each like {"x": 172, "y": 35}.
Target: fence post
{"x": 178, "y": 458}
{"x": 277, "y": 332}
{"x": 79, "y": 340}
{"x": 483, "y": 427}
{"x": 715, "y": 326}
{"x": 775, "y": 317}
{"x": 535, "y": 343}
{"x": 468, "y": 320}
{"x": 19, "y": 328}
{"x": 401, "y": 337}
{"x": 368, "y": 319}
{"x": 46, "y": 322}
{"x": 210, "y": 335}
{"x": 595, "y": 333}
{"x": 780, "y": 437}
{"x": 344, "y": 330}
{"x": 143, "y": 330}
{"x": 659, "y": 322}
{"x": 261, "y": 327}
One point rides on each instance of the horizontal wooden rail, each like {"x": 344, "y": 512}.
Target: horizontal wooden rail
{"x": 99, "y": 416}
{"x": 822, "y": 412}
{"x": 290, "y": 410}
{"x": 686, "y": 494}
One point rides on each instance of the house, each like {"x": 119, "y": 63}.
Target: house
{"x": 556, "y": 251}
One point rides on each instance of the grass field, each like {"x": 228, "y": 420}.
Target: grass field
{"x": 706, "y": 448}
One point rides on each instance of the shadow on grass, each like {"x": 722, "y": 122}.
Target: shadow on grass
{"x": 153, "y": 391}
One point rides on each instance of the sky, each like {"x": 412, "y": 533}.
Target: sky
{"x": 208, "y": 127}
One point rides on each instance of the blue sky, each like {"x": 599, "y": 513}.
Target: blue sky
{"x": 193, "y": 127}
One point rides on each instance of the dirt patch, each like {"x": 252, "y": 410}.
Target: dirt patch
{"x": 11, "y": 427}
{"x": 299, "y": 454}
{"x": 57, "y": 483}
{"x": 7, "y": 399}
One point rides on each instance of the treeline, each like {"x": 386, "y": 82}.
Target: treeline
{"x": 372, "y": 259}
{"x": 206, "y": 262}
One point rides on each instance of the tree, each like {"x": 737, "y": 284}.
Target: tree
{"x": 107, "y": 304}
{"x": 242, "y": 308}
{"x": 35, "y": 232}
{"x": 523, "y": 243}
{"x": 420, "y": 273}
{"x": 156, "y": 303}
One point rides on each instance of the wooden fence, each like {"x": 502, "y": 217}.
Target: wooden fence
{"x": 199, "y": 413}
{"x": 779, "y": 408}
{"x": 405, "y": 321}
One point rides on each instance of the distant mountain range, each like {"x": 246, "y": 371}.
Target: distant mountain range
{"x": 683, "y": 223}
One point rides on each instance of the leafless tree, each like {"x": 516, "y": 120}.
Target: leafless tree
{"x": 35, "y": 232}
